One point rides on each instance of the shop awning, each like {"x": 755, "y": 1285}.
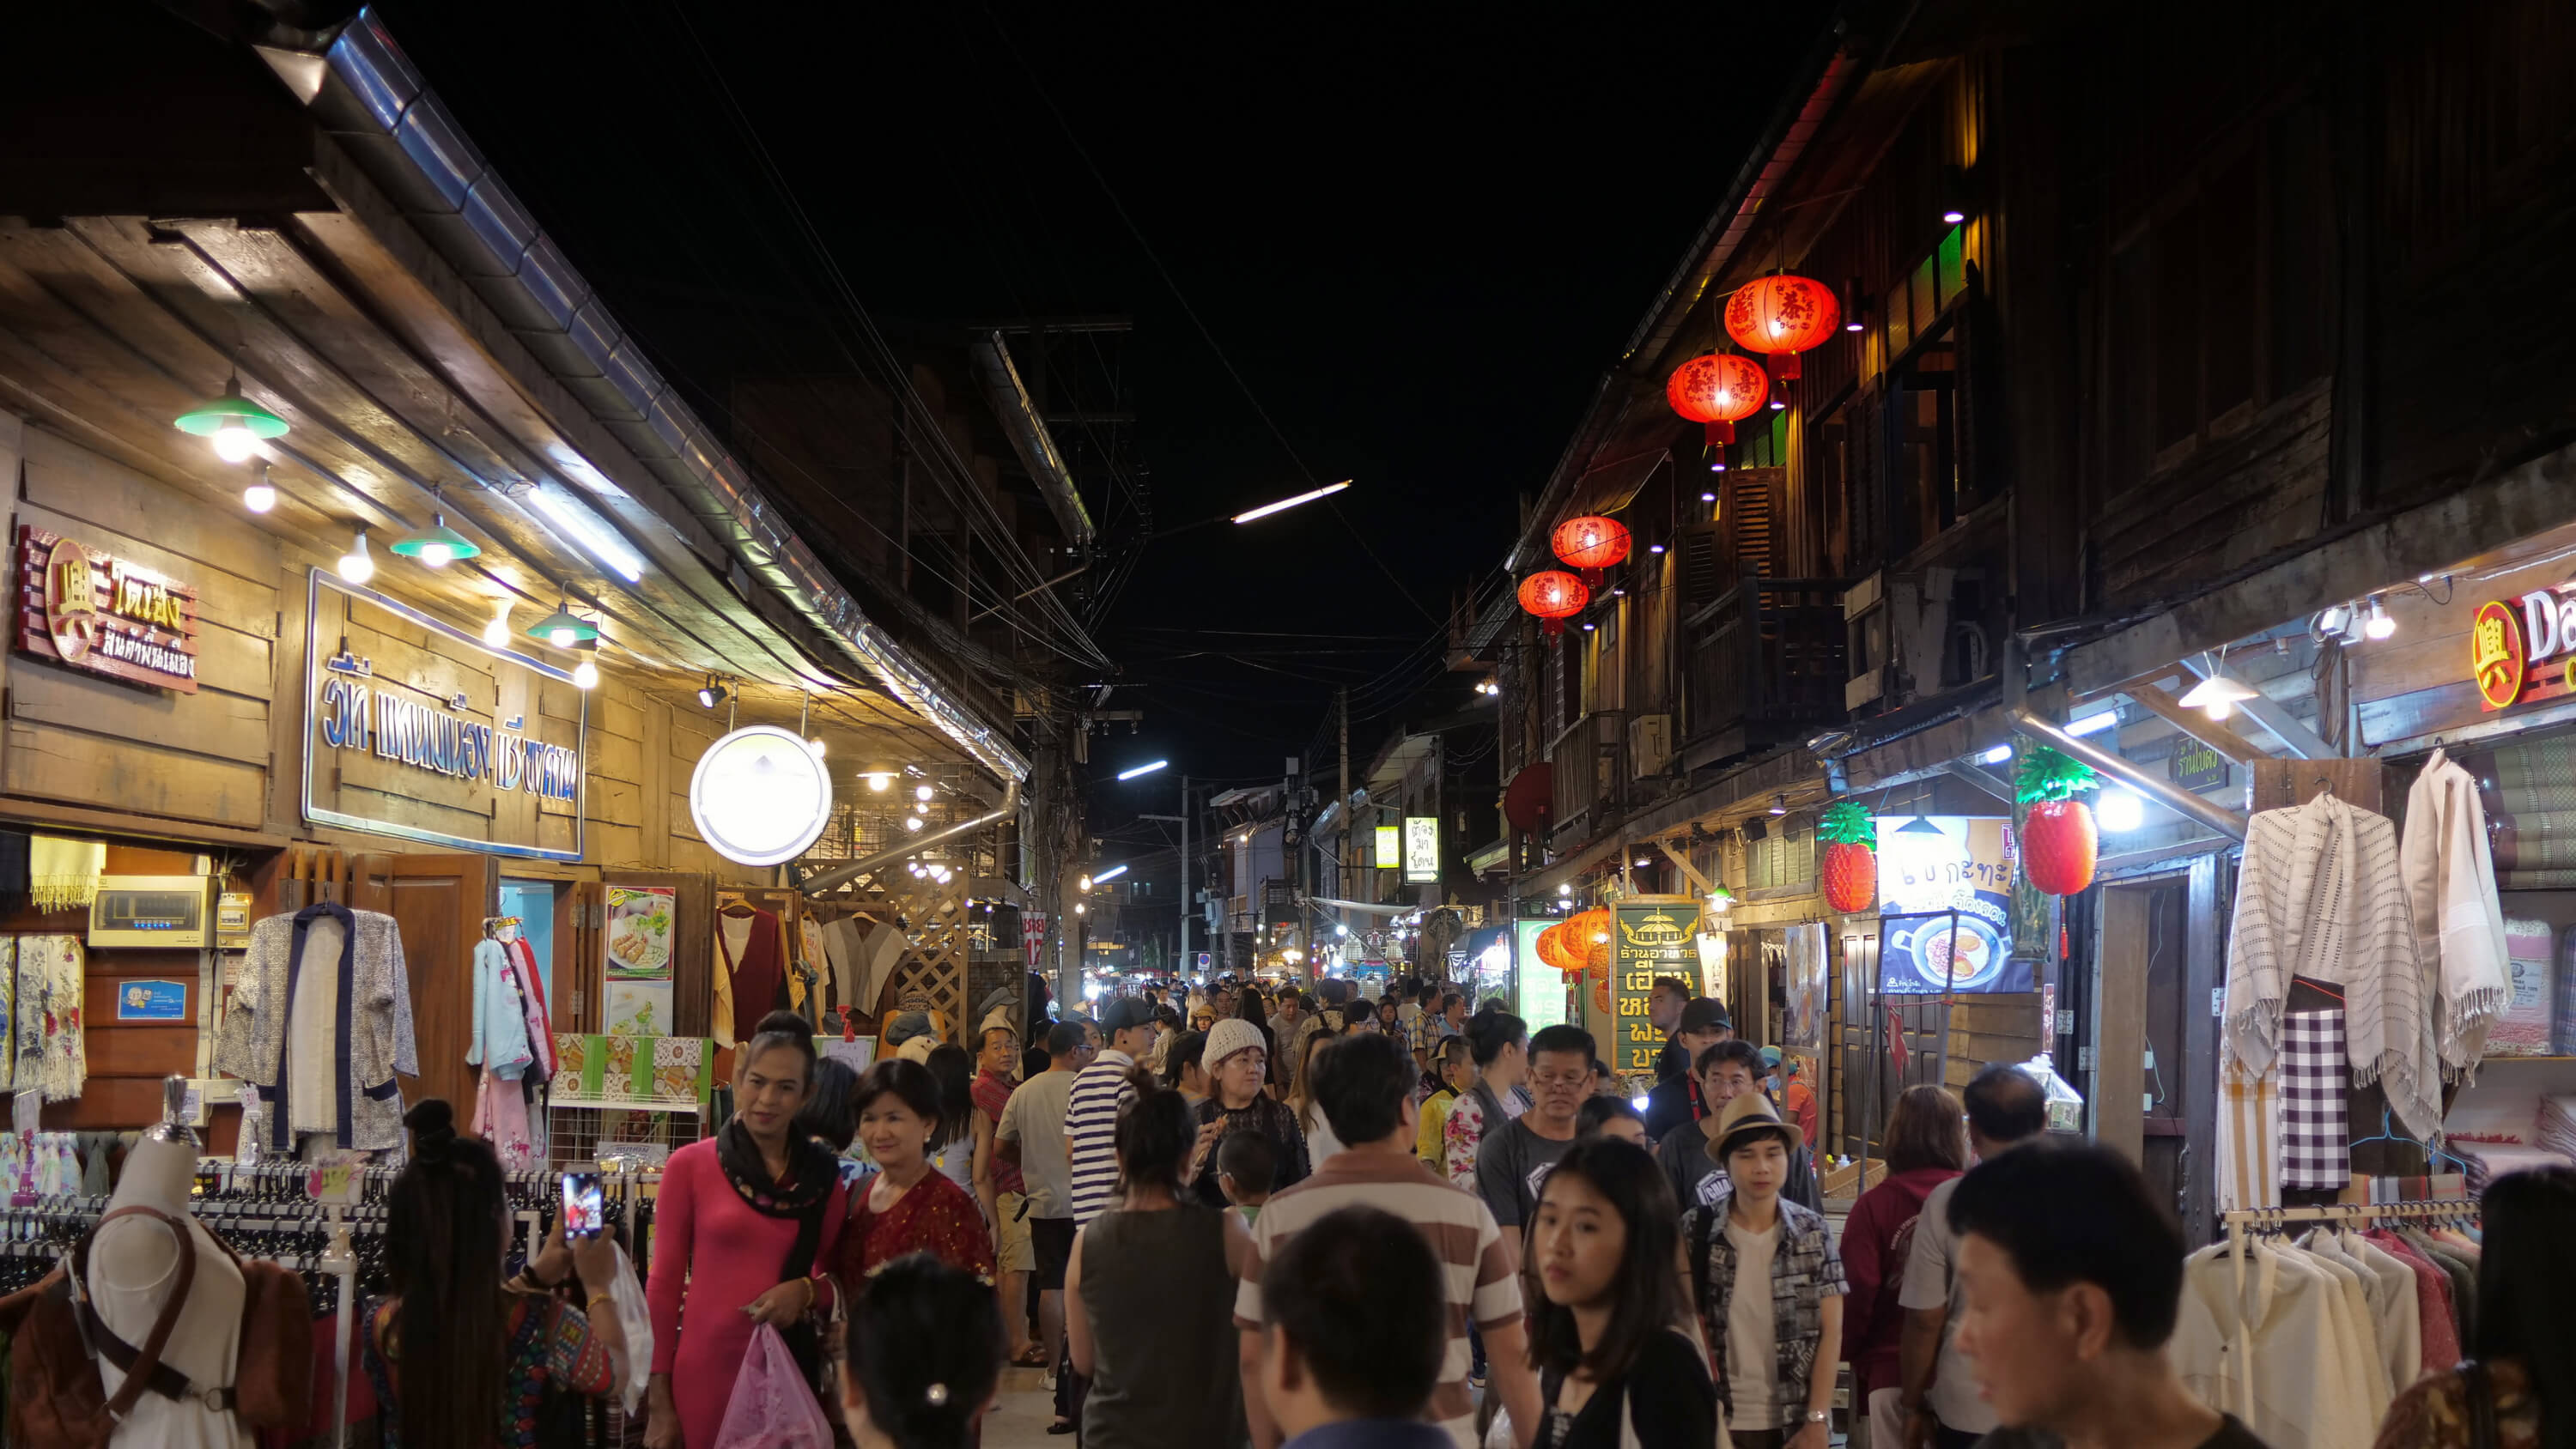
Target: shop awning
{"x": 1613, "y": 486}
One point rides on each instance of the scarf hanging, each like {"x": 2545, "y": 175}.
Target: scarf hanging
{"x": 63, "y": 874}
{"x": 810, "y": 1173}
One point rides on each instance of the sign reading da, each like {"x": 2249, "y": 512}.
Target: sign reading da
{"x": 104, "y": 615}
{"x": 420, "y": 730}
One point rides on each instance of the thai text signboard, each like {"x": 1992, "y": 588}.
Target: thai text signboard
{"x": 103, "y": 614}
{"x": 1647, "y": 939}
{"x": 420, "y": 730}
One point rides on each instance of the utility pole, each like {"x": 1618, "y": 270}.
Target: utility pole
{"x": 1350, "y": 827}
{"x": 1182, "y": 966}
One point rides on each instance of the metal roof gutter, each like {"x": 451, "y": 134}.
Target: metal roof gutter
{"x": 365, "y": 93}
{"x": 1029, "y": 437}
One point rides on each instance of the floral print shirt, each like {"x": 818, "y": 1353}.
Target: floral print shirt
{"x": 550, "y": 1342}
{"x": 2434, "y": 1414}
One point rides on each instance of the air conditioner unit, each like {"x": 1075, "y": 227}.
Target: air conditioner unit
{"x": 1650, "y": 744}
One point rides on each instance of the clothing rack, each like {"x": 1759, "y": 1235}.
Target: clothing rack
{"x": 2240, "y": 1220}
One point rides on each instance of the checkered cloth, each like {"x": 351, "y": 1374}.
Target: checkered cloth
{"x": 2315, "y": 1082}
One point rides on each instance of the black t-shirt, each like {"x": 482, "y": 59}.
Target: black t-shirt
{"x": 1666, "y": 1393}
{"x": 2231, "y": 1435}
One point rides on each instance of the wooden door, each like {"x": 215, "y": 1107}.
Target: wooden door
{"x": 439, "y": 902}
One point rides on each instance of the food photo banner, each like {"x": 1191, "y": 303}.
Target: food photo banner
{"x": 1945, "y": 906}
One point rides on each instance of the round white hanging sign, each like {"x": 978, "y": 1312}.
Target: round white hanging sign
{"x": 759, "y": 795}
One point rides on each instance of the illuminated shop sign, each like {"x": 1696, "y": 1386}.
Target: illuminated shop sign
{"x": 104, "y": 615}
{"x": 2511, "y": 642}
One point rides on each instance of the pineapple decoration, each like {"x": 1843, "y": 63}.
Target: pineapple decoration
{"x": 2058, "y": 839}
{"x": 1850, "y": 866}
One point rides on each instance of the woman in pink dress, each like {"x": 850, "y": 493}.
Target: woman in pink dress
{"x": 744, "y": 1225}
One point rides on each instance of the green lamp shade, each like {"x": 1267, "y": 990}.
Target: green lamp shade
{"x": 565, "y": 619}
{"x": 214, "y": 414}
{"x": 423, "y": 541}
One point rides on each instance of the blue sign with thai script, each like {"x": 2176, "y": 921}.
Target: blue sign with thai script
{"x": 152, "y": 1001}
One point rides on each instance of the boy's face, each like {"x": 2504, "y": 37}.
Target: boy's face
{"x": 2017, "y": 1342}
{"x": 1758, "y": 1166}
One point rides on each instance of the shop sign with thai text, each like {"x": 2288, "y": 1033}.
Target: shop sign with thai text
{"x": 2195, "y": 766}
{"x": 418, "y": 729}
{"x": 1647, "y": 940}
{"x": 104, "y": 615}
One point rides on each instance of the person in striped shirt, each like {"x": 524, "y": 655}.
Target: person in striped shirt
{"x": 1091, "y": 1113}
{"x": 1362, "y": 1083}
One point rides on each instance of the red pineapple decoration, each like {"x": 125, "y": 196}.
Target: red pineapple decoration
{"x": 1782, "y": 316}
{"x": 1719, "y": 391}
{"x": 2059, "y": 843}
{"x": 1850, "y": 866}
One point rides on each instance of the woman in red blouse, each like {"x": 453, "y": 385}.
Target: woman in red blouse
{"x": 908, "y": 1207}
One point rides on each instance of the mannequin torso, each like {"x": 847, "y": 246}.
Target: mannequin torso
{"x": 132, "y": 1269}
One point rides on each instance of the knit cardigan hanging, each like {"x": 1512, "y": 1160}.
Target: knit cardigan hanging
{"x": 2459, "y": 925}
{"x": 2319, "y": 895}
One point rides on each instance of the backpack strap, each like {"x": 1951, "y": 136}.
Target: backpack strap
{"x": 1712, "y": 1221}
{"x": 142, "y": 1367}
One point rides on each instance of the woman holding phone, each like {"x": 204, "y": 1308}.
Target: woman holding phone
{"x": 745, "y": 1221}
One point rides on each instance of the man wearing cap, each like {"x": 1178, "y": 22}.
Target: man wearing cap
{"x": 1091, "y": 1113}
{"x": 1674, "y": 1099}
{"x": 1767, "y": 1285}
{"x": 1664, "y": 1003}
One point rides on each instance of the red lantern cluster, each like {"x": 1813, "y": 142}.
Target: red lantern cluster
{"x": 1590, "y": 543}
{"x": 1719, "y": 391}
{"x": 1782, "y": 316}
{"x": 1554, "y": 596}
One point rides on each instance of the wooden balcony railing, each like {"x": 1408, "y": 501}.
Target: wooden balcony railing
{"x": 1764, "y": 661}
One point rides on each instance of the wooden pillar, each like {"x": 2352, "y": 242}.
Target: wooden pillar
{"x": 2204, "y": 971}
{"x": 2120, "y": 1025}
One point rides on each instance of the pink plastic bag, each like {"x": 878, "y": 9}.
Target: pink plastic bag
{"x": 771, "y": 1408}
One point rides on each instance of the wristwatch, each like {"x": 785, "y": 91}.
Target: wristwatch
{"x": 1820, "y": 1416}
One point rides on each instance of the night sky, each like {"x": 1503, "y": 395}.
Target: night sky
{"x": 1418, "y": 232}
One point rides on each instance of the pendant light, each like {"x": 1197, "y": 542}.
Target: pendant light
{"x": 2218, "y": 696}
{"x": 233, "y": 423}
{"x": 357, "y": 565}
{"x": 262, "y": 495}
{"x": 563, "y": 628}
{"x": 497, "y": 633}
{"x": 585, "y": 675}
{"x": 437, "y": 545}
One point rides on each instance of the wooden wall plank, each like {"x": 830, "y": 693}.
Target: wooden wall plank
{"x": 222, "y": 598}
{"x": 209, "y": 722}
{"x": 57, "y": 764}
{"x": 79, "y": 484}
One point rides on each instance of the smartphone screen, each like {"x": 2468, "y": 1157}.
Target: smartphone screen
{"x": 581, "y": 1205}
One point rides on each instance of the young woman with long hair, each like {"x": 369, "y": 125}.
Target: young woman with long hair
{"x": 924, "y": 1356}
{"x": 952, "y": 1146}
{"x": 460, "y": 1360}
{"x": 1614, "y": 1365}
{"x": 909, "y": 1206}
{"x": 744, "y": 1223}
{"x": 2525, "y": 1360}
{"x": 1320, "y": 1141}
{"x": 1149, "y": 1295}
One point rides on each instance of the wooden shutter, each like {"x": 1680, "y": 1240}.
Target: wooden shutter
{"x": 1701, "y": 566}
{"x": 1753, "y": 521}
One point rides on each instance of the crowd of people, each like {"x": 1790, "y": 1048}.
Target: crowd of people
{"x": 1425, "y": 1226}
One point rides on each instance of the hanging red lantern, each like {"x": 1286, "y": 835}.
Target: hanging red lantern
{"x": 1554, "y": 596}
{"x": 1719, "y": 390}
{"x": 1591, "y": 543}
{"x": 1782, "y": 316}
{"x": 1556, "y": 951}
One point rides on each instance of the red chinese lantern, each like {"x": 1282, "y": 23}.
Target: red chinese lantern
{"x": 1589, "y": 938}
{"x": 1555, "y": 951}
{"x": 1590, "y": 544}
{"x": 1719, "y": 390}
{"x": 1782, "y": 316}
{"x": 1554, "y": 596}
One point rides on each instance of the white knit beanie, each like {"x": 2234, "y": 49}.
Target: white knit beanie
{"x": 1227, "y": 1037}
